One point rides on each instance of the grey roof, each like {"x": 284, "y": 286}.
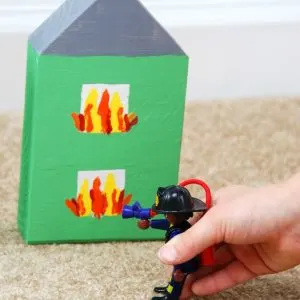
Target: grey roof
{"x": 103, "y": 27}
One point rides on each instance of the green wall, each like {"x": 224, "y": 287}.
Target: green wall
{"x": 149, "y": 152}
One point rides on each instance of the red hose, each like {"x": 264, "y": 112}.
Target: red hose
{"x": 208, "y": 197}
{"x": 207, "y": 256}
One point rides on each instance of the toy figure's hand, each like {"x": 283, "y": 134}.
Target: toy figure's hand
{"x": 143, "y": 224}
{"x": 178, "y": 276}
{"x": 256, "y": 230}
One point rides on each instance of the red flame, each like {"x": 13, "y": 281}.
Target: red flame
{"x": 84, "y": 122}
{"x": 99, "y": 202}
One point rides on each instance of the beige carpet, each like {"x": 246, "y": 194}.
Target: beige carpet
{"x": 250, "y": 142}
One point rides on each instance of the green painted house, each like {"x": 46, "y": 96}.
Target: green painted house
{"x": 103, "y": 121}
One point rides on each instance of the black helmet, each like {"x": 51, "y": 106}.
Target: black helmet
{"x": 176, "y": 199}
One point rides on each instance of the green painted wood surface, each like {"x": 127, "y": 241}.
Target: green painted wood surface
{"x": 24, "y": 187}
{"x": 56, "y": 151}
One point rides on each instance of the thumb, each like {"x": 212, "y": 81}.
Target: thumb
{"x": 207, "y": 232}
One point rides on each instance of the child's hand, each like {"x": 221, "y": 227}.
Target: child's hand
{"x": 257, "y": 231}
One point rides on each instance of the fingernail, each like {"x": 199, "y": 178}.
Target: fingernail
{"x": 167, "y": 254}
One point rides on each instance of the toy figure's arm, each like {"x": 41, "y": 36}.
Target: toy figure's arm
{"x": 143, "y": 214}
{"x": 175, "y": 232}
{"x": 156, "y": 224}
{"x": 162, "y": 224}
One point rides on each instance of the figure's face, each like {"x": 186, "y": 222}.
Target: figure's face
{"x": 173, "y": 219}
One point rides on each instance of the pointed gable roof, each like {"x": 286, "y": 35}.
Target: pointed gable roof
{"x": 103, "y": 27}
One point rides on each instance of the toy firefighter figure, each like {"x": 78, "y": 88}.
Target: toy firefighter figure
{"x": 177, "y": 205}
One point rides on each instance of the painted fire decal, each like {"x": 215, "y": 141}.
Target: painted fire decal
{"x": 100, "y": 199}
{"x": 103, "y": 111}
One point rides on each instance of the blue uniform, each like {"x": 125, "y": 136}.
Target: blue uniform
{"x": 174, "y": 288}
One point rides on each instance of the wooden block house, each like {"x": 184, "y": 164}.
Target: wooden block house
{"x": 105, "y": 97}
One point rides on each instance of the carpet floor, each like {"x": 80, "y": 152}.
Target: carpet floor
{"x": 234, "y": 142}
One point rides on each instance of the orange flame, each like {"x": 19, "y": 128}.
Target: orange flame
{"x": 108, "y": 117}
{"x": 109, "y": 201}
